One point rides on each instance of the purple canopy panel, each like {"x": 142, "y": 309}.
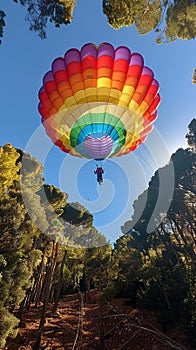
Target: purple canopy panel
{"x": 58, "y": 64}
{"x": 98, "y": 148}
{"x": 88, "y": 50}
{"x": 122, "y": 53}
{"x": 73, "y": 55}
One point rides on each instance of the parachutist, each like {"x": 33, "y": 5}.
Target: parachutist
{"x": 99, "y": 171}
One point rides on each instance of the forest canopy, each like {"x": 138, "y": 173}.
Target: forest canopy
{"x": 155, "y": 271}
{"x": 170, "y": 19}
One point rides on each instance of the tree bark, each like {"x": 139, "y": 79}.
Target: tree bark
{"x": 49, "y": 277}
{"x": 60, "y": 282}
{"x": 101, "y": 327}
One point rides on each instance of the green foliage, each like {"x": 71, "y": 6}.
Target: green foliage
{"x": 16, "y": 272}
{"x": 55, "y": 230}
{"x": 35, "y": 219}
{"x": 51, "y": 195}
{"x": 109, "y": 292}
{"x": 189, "y": 305}
{"x": 39, "y": 12}
{"x": 77, "y": 215}
{"x": 180, "y": 20}
{"x": 53, "y": 201}
{"x": 126, "y": 12}
{"x": 156, "y": 270}
{"x": 90, "y": 238}
{"x": 119, "y": 13}
{"x": 191, "y": 135}
{"x": 18, "y": 232}
{"x": 31, "y": 172}
{"x": 73, "y": 269}
{"x": 31, "y": 181}
{"x": 8, "y": 325}
{"x": 170, "y": 19}
{"x": 149, "y": 18}
{"x": 9, "y": 168}
{"x": 98, "y": 265}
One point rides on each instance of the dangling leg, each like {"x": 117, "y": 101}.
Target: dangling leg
{"x": 100, "y": 178}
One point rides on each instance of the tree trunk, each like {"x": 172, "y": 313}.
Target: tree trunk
{"x": 49, "y": 277}
{"x": 187, "y": 246}
{"x": 170, "y": 245}
{"x": 60, "y": 282}
{"x": 39, "y": 284}
{"x": 164, "y": 292}
{"x": 174, "y": 232}
{"x": 101, "y": 327}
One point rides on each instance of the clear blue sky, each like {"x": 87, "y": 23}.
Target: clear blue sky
{"x": 24, "y": 60}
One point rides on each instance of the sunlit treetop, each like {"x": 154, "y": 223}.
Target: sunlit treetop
{"x": 170, "y": 19}
{"x": 39, "y": 12}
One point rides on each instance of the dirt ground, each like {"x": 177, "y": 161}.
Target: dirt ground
{"x": 73, "y": 328}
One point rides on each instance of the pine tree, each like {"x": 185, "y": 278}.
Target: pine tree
{"x": 18, "y": 233}
{"x": 8, "y": 167}
{"x": 40, "y": 12}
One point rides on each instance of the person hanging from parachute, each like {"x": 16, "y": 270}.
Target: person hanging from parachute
{"x": 99, "y": 171}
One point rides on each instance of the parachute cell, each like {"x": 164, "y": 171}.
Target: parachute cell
{"x": 98, "y": 102}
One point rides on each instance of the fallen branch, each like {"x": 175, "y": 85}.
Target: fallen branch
{"x": 126, "y": 342}
{"x": 154, "y": 331}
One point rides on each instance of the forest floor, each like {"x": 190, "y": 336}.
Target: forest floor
{"x": 74, "y": 328}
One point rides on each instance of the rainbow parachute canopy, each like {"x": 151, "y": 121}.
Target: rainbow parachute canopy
{"x": 99, "y": 102}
